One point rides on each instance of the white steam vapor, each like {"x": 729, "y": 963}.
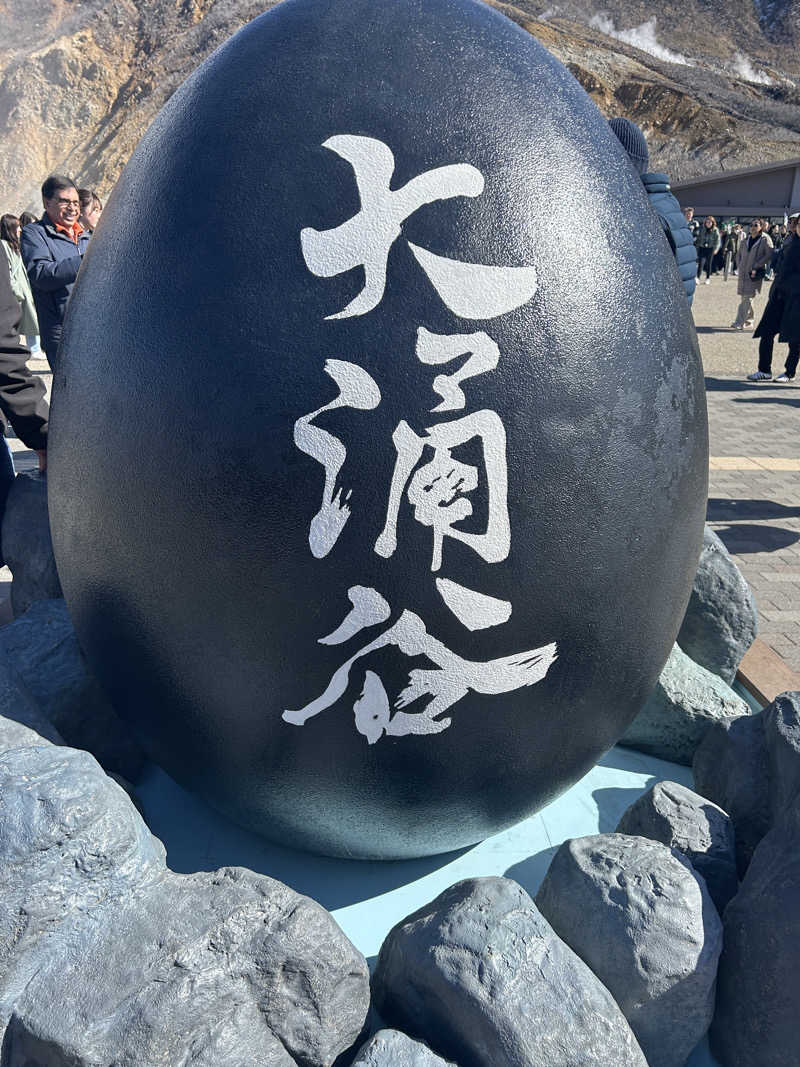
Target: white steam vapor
{"x": 744, "y": 69}
{"x": 642, "y": 37}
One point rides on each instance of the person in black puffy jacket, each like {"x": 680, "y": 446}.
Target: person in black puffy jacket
{"x": 676, "y": 228}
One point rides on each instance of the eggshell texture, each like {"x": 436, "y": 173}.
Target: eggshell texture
{"x": 378, "y": 451}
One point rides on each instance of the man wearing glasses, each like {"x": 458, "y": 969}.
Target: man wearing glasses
{"x": 52, "y": 250}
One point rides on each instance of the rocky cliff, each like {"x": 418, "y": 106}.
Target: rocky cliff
{"x": 81, "y": 80}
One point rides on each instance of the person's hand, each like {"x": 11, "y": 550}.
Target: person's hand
{"x": 752, "y": 274}
{"x": 41, "y": 455}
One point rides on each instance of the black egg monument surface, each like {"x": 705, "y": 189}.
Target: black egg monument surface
{"x": 378, "y": 448}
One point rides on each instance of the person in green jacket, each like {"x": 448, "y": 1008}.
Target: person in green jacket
{"x": 708, "y": 242}
{"x": 10, "y": 230}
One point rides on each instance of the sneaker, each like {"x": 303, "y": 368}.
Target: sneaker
{"x": 748, "y": 325}
{"x": 759, "y": 376}
{"x": 785, "y": 377}
{"x": 708, "y": 281}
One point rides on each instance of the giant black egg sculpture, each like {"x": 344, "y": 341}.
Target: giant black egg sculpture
{"x": 378, "y": 451}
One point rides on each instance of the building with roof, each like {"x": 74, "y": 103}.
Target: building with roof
{"x": 772, "y": 190}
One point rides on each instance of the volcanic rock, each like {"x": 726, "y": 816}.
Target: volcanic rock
{"x": 479, "y": 974}
{"x": 43, "y": 649}
{"x": 636, "y": 912}
{"x": 390, "y": 1048}
{"x": 27, "y": 545}
{"x": 721, "y": 620}
{"x": 699, "y": 830}
{"x": 687, "y": 700}
{"x": 757, "y": 995}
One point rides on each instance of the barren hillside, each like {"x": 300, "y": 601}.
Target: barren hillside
{"x": 714, "y": 85}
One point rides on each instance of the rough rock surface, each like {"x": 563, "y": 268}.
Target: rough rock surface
{"x": 756, "y": 1021}
{"x": 721, "y": 621}
{"x": 697, "y": 828}
{"x": 69, "y": 840}
{"x": 480, "y": 976}
{"x": 20, "y": 716}
{"x": 782, "y": 741}
{"x": 751, "y": 768}
{"x": 636, "y": 912}
{"x": 390, "y": 1048}
{"x": 106, "y": 956}
{"x": 686, "y": 701}
{"x": 27, "y": 545}
{"x": 43, "y": 649}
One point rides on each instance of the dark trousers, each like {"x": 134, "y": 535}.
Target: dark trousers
{"x": 765, "y": 355}
{"x": 704, "y": 257}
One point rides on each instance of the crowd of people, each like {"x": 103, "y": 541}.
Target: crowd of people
{"x": 37, "y": 274}
{"x": 753, "y": 254}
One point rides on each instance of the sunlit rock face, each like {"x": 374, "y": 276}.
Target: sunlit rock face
{"x": 377, "y": 506}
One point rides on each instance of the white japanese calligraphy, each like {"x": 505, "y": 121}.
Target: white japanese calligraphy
{"x": 476, "y": 611}
{"x": 365, "y": 239}
{"x": 436, "y": 348}
{"x": 450, "y": 680}
{"x": 470, "y": 290}
{"x": 357, "y": 389}
{"x": 437, "y": 490}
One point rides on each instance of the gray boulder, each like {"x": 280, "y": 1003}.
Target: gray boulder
{"x": 480, "y": 976}
{"x": 687, "y": 700}
{"x": 758, "y": 994}
{"x": 27, "y": 545}
{"x": 636, "y": 912}
{"x": 21, "y": 720}
{"x": 42, "y": 648}
{"x": 69, "y": 840}
{"x": 390, "y": 1048}
{"x": 699, "y": 830}
{"x": 217, "y": 969}
{"x": 782, "y": 743}
{"x": 108, "y": 957}
{"x": 721, "y": 620}
{"x": 751, "y": 768}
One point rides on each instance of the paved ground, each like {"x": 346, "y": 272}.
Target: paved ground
{"x": 754, "y": 476}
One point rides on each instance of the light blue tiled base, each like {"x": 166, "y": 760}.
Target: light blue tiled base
{"x": 368, "y": 898}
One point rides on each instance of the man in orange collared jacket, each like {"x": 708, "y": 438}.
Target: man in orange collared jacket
{"x": 52, "y": 250}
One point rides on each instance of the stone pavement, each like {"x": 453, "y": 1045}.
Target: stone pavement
{"x": 754, "y": 469}
{"x": 754, "y": 475}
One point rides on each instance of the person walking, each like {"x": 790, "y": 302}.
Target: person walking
{"x": 52, "y": 250}
{"x": 781, "y": 317}
{"x": 754, "y": 254}
{"x": 708, "y": 243}
{"x": 9, "y": 238}
{"x": 730, "y": 248}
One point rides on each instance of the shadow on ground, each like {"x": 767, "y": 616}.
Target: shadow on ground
{"x": 732, "y": 385}
{"x": 787, "y": 401}
{"x": 198, "y": 838}
{"x": 612, "y": 803}
{"x": 530, "y": 872}
{"x": 721, "y": 509}
{"x": 747, "y": 537}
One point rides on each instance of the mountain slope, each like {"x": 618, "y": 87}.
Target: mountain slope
{"x": 712, "y": 84}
